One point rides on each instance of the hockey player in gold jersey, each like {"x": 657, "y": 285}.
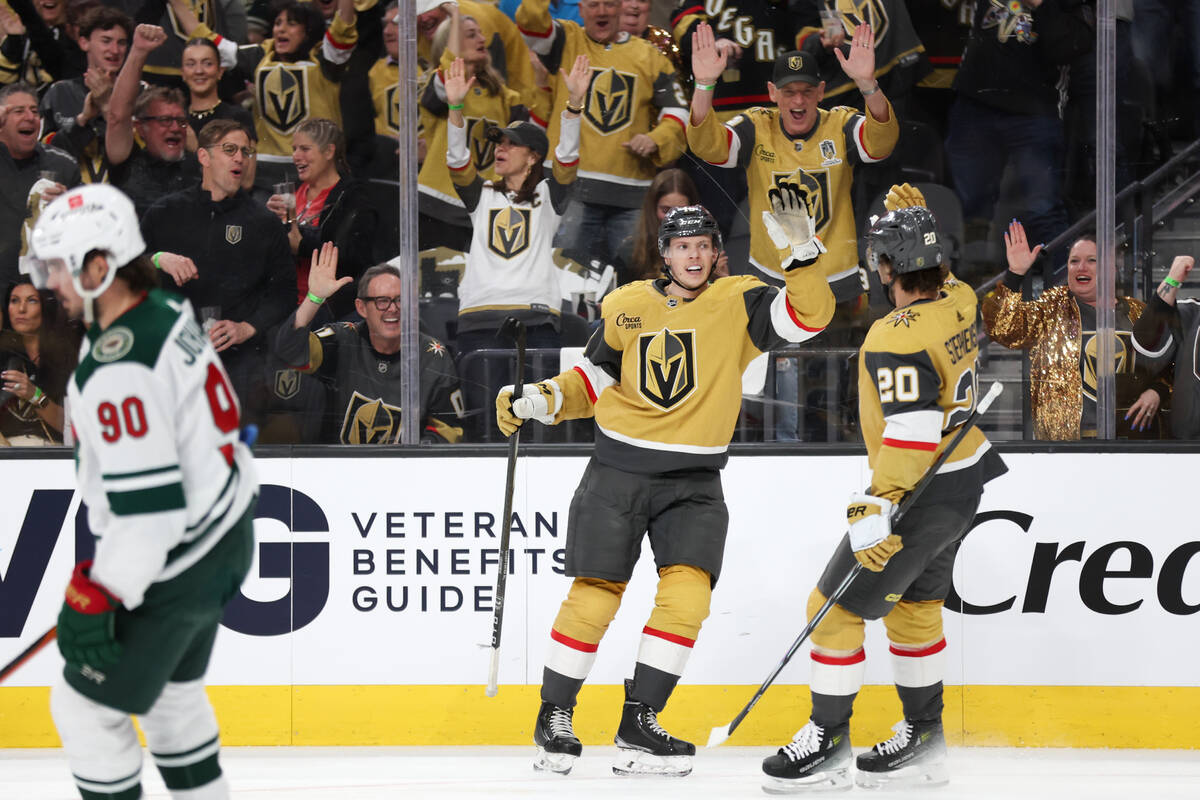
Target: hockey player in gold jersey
{"x": 916, "y": 387}
{"x": 771, "y": 143}
{"x": 662, "y": 377}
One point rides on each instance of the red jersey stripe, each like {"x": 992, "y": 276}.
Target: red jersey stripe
{"x": 574, "y": 644}
{"x": 670, "y": 637}
{"x": 905, "y": 445}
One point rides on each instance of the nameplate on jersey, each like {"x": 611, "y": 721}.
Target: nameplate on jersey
{"x": 609, "y": 105}
{"x": 508, "y": 231}
{"x": 283, "y": 96}
{"x": 370, "y": 421}
{"x": 667, "y": 367}
{"x": 815, "y": 184}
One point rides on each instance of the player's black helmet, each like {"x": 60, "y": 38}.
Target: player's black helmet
{"x": 687, "y": 221}
{"x": 908, "y": 238}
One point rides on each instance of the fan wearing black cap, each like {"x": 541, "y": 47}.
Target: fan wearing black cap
{"x": 771, "y": 143}
{"x": 509, "y": 270}
{"x": 661, "y": 377}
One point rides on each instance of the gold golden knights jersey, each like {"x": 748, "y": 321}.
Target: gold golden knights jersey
{"x": 288, "y": 92}
{"x": 842, "y": 137}
{"x": 634, "y": 90}
{"x": 916, "y": 386}
{"x": 384, "y": 80}
{"x": 481, "y": 110}
{"x": 663, "y": 375}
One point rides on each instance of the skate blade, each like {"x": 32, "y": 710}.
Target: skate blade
{"x": 557, "y": 763}
{"x": 907, "y": 777}
{"x": 833, "y": 780}
{"x": 636, "y": 762}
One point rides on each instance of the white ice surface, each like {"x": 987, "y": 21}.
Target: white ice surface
{"x": 374, "y": 773}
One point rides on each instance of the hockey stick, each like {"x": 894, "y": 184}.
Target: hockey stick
{"x": 516, "y": 329}
{"x": 28, "y": 653}
{"x": 723, "y": 732}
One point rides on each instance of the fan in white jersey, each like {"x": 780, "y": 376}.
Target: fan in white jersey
{"x": 170, "y": 493}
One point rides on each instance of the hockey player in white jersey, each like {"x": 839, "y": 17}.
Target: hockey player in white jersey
{"x": 170, "y": 492}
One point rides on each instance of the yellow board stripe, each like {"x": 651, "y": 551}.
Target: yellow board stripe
{"x": 996, "y": 716}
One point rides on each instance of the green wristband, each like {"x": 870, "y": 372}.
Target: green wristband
{"x": 457, "y": 107}
{"x": 1169, "y": 281}
{"x": 706, "y": 87}
{"x": 154, "y": 258}
{"x": 312, "y": 298}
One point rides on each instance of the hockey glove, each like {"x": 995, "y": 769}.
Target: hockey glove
{"x": 904, "y": 196}
{"x": 871, "y": 537}
{"x": 540, "y": 401}
{"x": 87, "y": 622}
{"x": 789, "y": 225}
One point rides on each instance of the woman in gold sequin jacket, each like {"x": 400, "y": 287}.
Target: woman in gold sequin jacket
{"x": 1059, "y": 331}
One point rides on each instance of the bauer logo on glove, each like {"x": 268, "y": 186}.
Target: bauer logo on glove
{"x": 871, "y": 537}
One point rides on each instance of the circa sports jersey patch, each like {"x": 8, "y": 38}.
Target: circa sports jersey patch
{"x": 667, "y": 367}
{"x": 113, "y": 344}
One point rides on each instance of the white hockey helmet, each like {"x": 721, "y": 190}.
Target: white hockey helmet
{"x": 83, "y": 220}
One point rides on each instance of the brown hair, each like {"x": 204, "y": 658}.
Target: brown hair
{"x": 103, "y": 18}
{"x": 325, "y": 132}
{"x": 922, "y": 281}
{"x": 152, "y": 94}
{"x": 218, "y": 129}
{"x": 647, "y": 261}
{"x": 364, "y": 283}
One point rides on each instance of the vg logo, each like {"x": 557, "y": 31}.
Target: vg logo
{"x": 300, "y": 561}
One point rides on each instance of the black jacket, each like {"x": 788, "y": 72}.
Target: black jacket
{"x": 1013, "y": 61}
{"x": 240, "y": 250}
{"x": 349, "y": 220}
{"x": 16, "y": 179}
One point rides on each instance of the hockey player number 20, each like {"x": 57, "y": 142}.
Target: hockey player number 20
{"x": 897, "y": 385}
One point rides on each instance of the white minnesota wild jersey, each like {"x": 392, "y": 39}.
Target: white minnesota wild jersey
{"x": 157, "y": 454}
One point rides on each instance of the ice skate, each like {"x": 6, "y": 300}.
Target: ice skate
{"x": 557, "y": 744}
{"x": 816, "y": 760}
{"x": 915, "y": 756}
{"x": 644, "y": 748}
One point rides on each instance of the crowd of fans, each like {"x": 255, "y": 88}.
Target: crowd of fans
{"x": 259, "y": 143}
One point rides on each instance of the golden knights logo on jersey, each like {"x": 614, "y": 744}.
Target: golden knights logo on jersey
{"x": 283, "y": 96}
{"x": 370, "y": 421}
{"x": 483, "y": 151}
{"x": 856, "y": 12}
{"x": 609, "y": 105}
{"x": 667, "y": 367}
{"x": 816, "y": 186}
{"x": 508, "y": 231}
{"x": 391, "y": 104}
{"x": 1091, "y": 345}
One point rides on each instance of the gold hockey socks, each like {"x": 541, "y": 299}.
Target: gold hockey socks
{"x": 680, "y": 607}
{"x": 582, "y": 620}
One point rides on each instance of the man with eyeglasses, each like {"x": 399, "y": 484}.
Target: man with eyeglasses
{"x": 228, "y": 255}
{"x": 159, "y": 117}
{"x": 362, "y": 361}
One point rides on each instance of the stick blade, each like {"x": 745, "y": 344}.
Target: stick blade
{"x": 718, "y": 736}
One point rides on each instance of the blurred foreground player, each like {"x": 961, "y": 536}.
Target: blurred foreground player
{"x": 916, "y": 383}
{"x": 170, "y": 493}
{"x": 662, "y": 377}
